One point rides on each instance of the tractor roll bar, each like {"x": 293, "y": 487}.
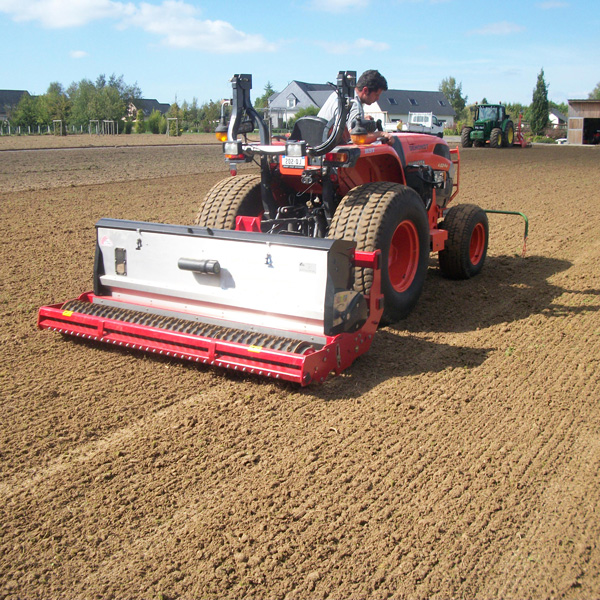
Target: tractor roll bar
{"x": 244, "y": 117}
{"x": 242, "y": 84}
{"x": 346, "y": 83}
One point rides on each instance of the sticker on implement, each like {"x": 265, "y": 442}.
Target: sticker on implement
{"x": 67, "y": 313}
{"x": 308, "y": 267}
{"x": 257, "y": 349}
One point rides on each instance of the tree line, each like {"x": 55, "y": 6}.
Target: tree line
{"x": 110, "y": 99}
{"x": 107, "y": 99}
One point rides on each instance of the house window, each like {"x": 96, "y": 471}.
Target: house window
{"x": 393, "y": 101}
{"x": 413, "y": 101}
{"x": 291, "y": 102}
{"x": 442, "y": 103}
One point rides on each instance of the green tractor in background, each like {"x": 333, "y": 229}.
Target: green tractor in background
{"x": 490, "y": 124}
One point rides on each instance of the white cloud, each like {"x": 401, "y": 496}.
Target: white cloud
{"x": 178, "y": 25}
{"x": 175, "y": 22}
{"x": 355, "y": 47}
{"x": 56, "y": 14}
{"x": 501, "y": 28}
{"x": 363, "y": 44}
{"x": 338, "y": 6}
{"x": 78, "y": 54}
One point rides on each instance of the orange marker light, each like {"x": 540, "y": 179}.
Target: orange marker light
{"x": 362, "y": 138}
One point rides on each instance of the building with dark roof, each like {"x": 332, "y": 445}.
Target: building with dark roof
{"x": 557, "y": 119}
{"x": 296, "y": 96}
{"x": 8, "y": 101}
{"x": 393, "y": 105}
{"x": 147, "y": 106}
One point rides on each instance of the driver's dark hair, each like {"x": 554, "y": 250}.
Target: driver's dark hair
{"x": 373, "y": 80}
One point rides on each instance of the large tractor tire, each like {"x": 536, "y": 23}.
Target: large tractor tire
{"x": 465, "y": 137}
{"x": 508, "y": 136}
{"x": 389, "y": 217}
{"x": 466, "y": 247}
{"x": 496, "y": 138}
{"x": 239, "y": 195}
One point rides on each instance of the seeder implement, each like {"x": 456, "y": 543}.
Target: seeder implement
{"x": 289, "y": 270}
{"x": 282, "y": 307}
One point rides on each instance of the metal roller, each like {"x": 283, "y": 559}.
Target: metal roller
{"x": 239, "y": 336}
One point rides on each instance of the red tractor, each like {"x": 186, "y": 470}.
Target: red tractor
{"x": 320, "y": 182}
{"x": 288, "y": 272}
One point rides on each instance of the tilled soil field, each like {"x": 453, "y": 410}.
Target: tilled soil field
{"x": 459, "y": 458}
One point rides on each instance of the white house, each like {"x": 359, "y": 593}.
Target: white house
{"x": 393, "y": 105}
{"x": 557, "y": 119}
{"x": 295, "y": 96}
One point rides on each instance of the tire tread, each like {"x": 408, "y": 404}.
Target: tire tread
{"x": 224, "y": 200}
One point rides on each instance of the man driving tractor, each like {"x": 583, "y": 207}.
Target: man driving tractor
{"x": 368, "y": 89}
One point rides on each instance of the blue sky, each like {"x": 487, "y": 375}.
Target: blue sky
{"x": 185, "y": 49}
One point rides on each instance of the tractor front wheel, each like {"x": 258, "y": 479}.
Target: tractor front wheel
{"x": 465, "y": 137}
{"x": 389, "y": 217}
{"x": 496, "y": 138}
{"x": 466, "y": 247}
{"x": 229, "y": 198}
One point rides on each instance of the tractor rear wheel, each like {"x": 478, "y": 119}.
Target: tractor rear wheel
{"x": 466, "y": 247}
{"x": 496, "y": 138}
{"x": 508, "y": 137}
{"x": 229, "y": 198}
{"x": 465, "y": 137}
{"x": 392, "y": 218}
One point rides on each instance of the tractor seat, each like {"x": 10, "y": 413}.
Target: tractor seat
{"x": 313, "y": 130}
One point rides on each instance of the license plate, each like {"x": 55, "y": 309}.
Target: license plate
{"x": 293, "y": 162}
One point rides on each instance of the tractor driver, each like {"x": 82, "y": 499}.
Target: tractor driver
{"x": 368, "y": 89}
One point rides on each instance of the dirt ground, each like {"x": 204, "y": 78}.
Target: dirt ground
{"x": 459, "y": 458}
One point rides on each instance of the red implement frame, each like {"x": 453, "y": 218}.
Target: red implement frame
{"x": 337, "y": 354}
{"x": 519, "y": 139}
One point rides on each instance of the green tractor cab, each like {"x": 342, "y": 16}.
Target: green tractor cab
{"x": 490, "y": 124}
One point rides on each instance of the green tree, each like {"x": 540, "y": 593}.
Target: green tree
{"x": 175, "y": 112}
{"x": 112, "y": 98}
{"x": 103, "y": 99}
{"x": 112, "y": 105}
{"x": 82, "y": 96}
{"x": 595, "y": 93}
{"x": 26, "y": 113}
{"x": 538, "y": 119}
{"x": 58, "y": 105}
{"x": 208, "y": 115}
{"x": 514, "y": 110}
{"x": 263, "y": 101}
{"x": 453, "y": 93}
{"x": 185, "y": 116}
{"x": 155, "y": 122}
{"x": 303, "y": 112}
{"x": 140, "y": 121}
{"x": 42, "y": 112}
{"x": 191, "y": 113}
